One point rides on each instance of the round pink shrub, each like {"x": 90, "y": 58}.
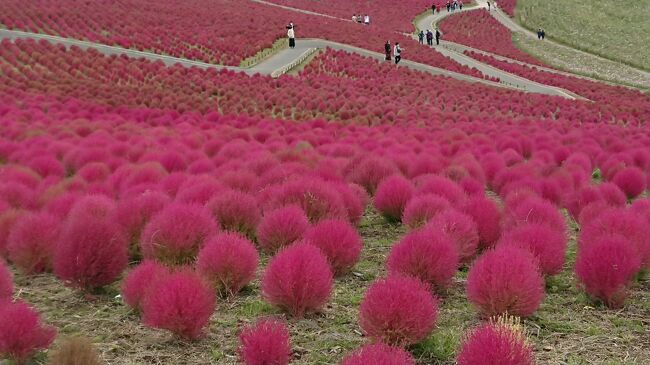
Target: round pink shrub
{"x": 98, "y": 206}
{"x": 461, "y": 229}
{"x": 198, "y": 190}
{"x": 427, "y": 254}
{"x": 392, "y": 195}
{"x": 134, "y": 213}
{"x": 32, "y": 242}
{"x": 592, "y": 211}
{"x": 612, "y": 194}
{"x": 175, "y": 234}
{"x": 228, "y": 261}
{"x": 487, "y": 216}
{"x": 398, "y": 311}
{"x": 140, "y": 280}
{"x": 6, "y": 282}
{"x": 355, "y": 199}
{"x": 585, "y": 195}
{"x": 338, "y": 241}
{"x": 503, "y": 280}
{"x": 298, "y": 279}
{"x": 534, "y": 210}
{"x": 631, "y": 180}
{"x": 495, "y": 344}
{"x": 606, "y": 267}
{"x": 281, "y": 227}
{"x": 317, "y": 198}
{"x": 439, "y": 185}
{"x": 7, "y": 220}
{"x": 236, "y": 211}
{"x": 181, "y": 303}
{"x": 641, "y": 207}
{"x": 266, "y": 342}
{"x": 369, "y": 172}
{"x": 546, "y": 244}
{"x": 378, "y": 354}
{"x": 22, "y": 334}
{"x": 421, "y": 209}
{"x": 92, "y": 252}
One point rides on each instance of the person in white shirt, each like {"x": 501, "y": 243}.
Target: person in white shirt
{"x": 366, "y": 19}
{"x": 398, "y": 53}
{"x": 354, "y": 18}
{"x": 292, "y": 38}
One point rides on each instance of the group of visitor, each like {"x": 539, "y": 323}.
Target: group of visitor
{"x": 541, "y": 34}
{"x": 453, "y": 5}
{"x": 361, "y": 19}
{"x": 429, "y": 35}
{"x": 397, "y": 52}
{"x": 491, "y": 5}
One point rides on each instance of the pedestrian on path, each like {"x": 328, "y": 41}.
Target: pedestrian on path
{"x": 495, "y": 6}
{"x": 448, "y": 6}
{"x": 539, "y": 33}
{"x": 438, "y": 36}
{"x": 421, "y": 37}
{"x": 489, "y": 6}
{"x": 292, "y": 37}
{"x": 398, "y": 53}
{"x": 387, "y": 48}
{"x": 354, "y": 18}
{"x": 460, "y": 5}
{"x": 433, "y": 9}
{"x": 359, "y": 19}
{"x": 429, "y": 37}
{"x": 543, "y": 34}
{"x": 366, "y": 19}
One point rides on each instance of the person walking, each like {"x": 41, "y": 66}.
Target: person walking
{"x": 421, "y": 37}
{"x": 354, "y": 18}
{"x": 460, "y": 5}
{"x": 433, "y": 9}
{"x": 438, "y": 36}
{"x": 387, "y": 48}
{"x": 398, "y": 53}
{"x": 292, "y": 37}
{"x": 366, "y": 19}
{"x": 543, "y": 34}
{"x": 429, "y": 37}
{"x": 448, "y": 6}
{"x": 539, "y": 33}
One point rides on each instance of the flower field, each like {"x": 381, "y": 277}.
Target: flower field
{"x": 353, "y": 212}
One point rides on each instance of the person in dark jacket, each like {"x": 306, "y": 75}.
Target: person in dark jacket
{"x": 387, "y": 48}
{"x": 429, "y": 37}
{"x": 438, "y": 36}
{"x": 421, "y": 37}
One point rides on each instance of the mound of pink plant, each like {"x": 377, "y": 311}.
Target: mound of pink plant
{"x": 7, "y": 220}
{"x": 378, "y": 354}
{"x": 487, "y": 216}
{"x": 22, "y": 334}
{"x": 6, "y": 282}
{"x": 140, "y": 280}
{"x": 281, "y": 227}
{"x": 461, "y": 229}
{"x": 176, "y": 234}
{"x": 631, "y": 180}
{"x": 605, "y": 268}
{"x": 298, "y": 279}
{"x": 99, "y": 206}
{"x": 422, "y": 208}
{"x": 505, "y": 279}
{"x": 236, "y": 211}
{"x": 339, "y": 241}
{"x": 32, "y": 242}
{"x": 439, "y": 185}
{"x": 228, "y": 261}
{"x": 546, "y": 244}
{"x": 398, "y": 311}
{"x": 92, "y": 252}
{"x": 392, "y": 195}
{"x": 265, "y": 343}
{"x": 181, "y": 302}
{"x": 496, "y": 344}
{"x": 134, "y": 213}
{"x": 427, "y": 254}
{"x": 534, "y": 210}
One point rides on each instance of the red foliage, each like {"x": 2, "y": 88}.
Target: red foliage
{"x": 140, "y": 280}
{"x": 339, "y": 241}
{"x": 98, "y": 206}
{"x": 546, "y": 244}
{"x": 606, "y": 267}
{"x": 534, "y": 210}
{"x": 7, "y": 220}
{"x": 505, "y": 279}
{"x": 6, "y": 282}
{"x": 439, "y": 185}
{"x": 22, "y": 334}
{"x": 495, "y": 344}
{"x": 32, "y": 242}
{"x": 379, "y": 354}
{"x": 281, "y": 227}
{"x": 298, "y": 279}
{"x": 612, "y": 194}
{"x": 369, "y": 172}
{"x": 265, "y": 343}
{"x": 176, "y": 234}
{"x": 392, "y": 195}
{"x": 461, "y": 228}
{"x": 317, "y": 198}
{"x": 228, "y": 261}
{"x": 236, "y": 211}
{"x": 427, "y": 254}
{"x": 487, "y": 216}
{"x": 181, "y": 303}
{"x": 134, "y": 213}
{"x": 398, "y": 311}
{"x": 631, "y": 180}
{"x": 420, "y": 209}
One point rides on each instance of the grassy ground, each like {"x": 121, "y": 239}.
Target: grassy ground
{"x": 568, "y": 328}
{"x": 614, "y": 29}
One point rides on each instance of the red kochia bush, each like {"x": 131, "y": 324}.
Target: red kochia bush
{"x": 605, "y": 267}
{"x": 534, "y": 210}
{"x": 461, "y": 229}
{"x": 545, "y": 243}
{"x": 92, "y": 252}
{"x": 505, "y": 279}
{"x": 281, "y": 227}
{"x": 175, "y": 234}
{"x": 339, "y": 241}
{"x": 228, "y": 261}
{"x": 6, "y": 283}
{"x": 487, "y": 216}
{"x": 392, "y": 195}
{"x": 298, "y": 279}
{"x": 378, "y": 354}
{"x": 181, "y": 303}
{"x": 22, "y": 334}
{"x": 631, "y": 180}
{"x": 138, "y": 282}
{"x": 32, "y": 242}
{"x": 265, "y": 343}
{"x": 420, "y": 209}
{"x": 134, "y": 213}
{"x": 427, "y": 254}
{"x": 236, "y": 211}
{"x": 398, "y": 311}
{"x": 495, "y": 344}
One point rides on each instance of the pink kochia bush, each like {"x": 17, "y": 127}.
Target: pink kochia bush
{"x": 32, "y": 242}
{"x": 392, "y": 195}
{"x": 631, "y": 180}
{"x": 298, "y": 279}
{"x": 605, "y": 267}
{"x": 487, "y": 216}
{"x": 181, "y": 302}
{"x": 339, "y": 241}
{"x": 496, "y": 344}
{"x": 175, "y": 234}
{"x": 420, "y": 209}
{"x": 378, "y": 354}
{"x": 426, "y": 254}
{"x": 228, "y": 261}
{"x": 236, "y": 211}
{"x": 281, "y": 227}
{"x": 6, "y": 283}
{"x": 134, "y": 213}
{"x": 505, "y": 279}
{"x": 92, "y": 252}
{"x": 461, "y": 229}
{"x": 22, "y": 334}
{"x": 545, "y": 243}
{"x": 138, "y": 282}
{"x": 265, "y": 343}
{"x": 398, "y": 311}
